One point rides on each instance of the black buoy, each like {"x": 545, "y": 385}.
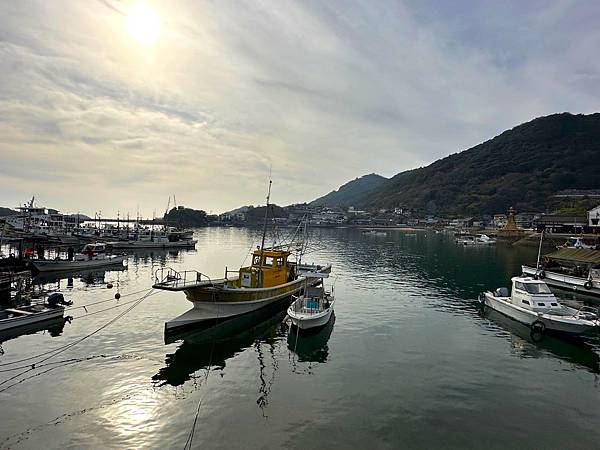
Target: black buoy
{"x": 117, "y": 296}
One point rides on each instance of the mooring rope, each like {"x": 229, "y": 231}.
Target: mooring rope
{"x": 71, "y": 345}
{"x": 190, "y": 438}
{"x": 66, "y": 346}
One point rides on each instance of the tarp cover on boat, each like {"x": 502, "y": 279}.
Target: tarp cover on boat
{"x": 579, "y": 255}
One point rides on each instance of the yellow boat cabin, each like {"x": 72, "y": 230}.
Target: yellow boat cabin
{"x": 269, "y": 268}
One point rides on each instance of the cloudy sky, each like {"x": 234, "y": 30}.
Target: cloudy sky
{"x": 110, "y": 104}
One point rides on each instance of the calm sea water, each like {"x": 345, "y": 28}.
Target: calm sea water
{"x": 409, "y": 361}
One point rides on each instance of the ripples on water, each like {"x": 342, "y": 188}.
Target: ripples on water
{"x": 409, "y": 360}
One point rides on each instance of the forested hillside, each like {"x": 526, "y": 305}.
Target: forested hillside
{"x": 523, "y": 167}
{"x": 352, "y": 193}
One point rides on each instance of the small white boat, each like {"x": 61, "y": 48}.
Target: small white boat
{"x": 533, "y": 304}
{"x": 577, "y": 242}
{"x": 314, "y": 307}
{"x": 476, "y": 240}
{"x": 27, "y": 315}
{"x": 92, "y": 256}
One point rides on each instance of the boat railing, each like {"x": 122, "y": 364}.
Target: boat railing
{"x": 587, "y": 312}
{"x": 166, "y": 276}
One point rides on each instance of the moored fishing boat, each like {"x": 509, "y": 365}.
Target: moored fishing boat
{"x": 27, "y": 315}
{"x": 269, "y": 278}
{"x": 572, "y": 268}
{"x": 92, "y": 256}
{"x": 532, "y": 303}
{"x": 314, "y": 307}
{"x": 154, "y": 239}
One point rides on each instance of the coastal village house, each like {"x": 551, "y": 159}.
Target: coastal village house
{"x": 499, "y": 220}
{"x": 594, "y": 219}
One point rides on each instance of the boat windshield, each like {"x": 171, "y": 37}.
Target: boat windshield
{"x": 537, "y": 288}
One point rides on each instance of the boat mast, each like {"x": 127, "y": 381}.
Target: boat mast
{"x": 264, "y": 235}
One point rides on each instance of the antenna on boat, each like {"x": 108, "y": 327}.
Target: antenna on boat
{"x": 537, "y": 265}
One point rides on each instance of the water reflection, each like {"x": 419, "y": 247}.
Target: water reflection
{"x": 88, "y": 277}
{"x": 143, "y": 256}
{"x": 54, "y": 327}
{"x": 213, "y": 345}
{"x": 576, "y": 351}
{"x": 311, "y": 346}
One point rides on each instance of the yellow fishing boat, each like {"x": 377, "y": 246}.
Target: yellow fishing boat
{"x": 270, "y": 277}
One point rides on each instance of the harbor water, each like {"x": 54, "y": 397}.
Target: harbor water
{"x": 410, "y": 359}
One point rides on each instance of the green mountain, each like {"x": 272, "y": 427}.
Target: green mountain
{"x": 522, "y": 167}
{"x": 352, "y": 193}
{"x": 7, "y": 212}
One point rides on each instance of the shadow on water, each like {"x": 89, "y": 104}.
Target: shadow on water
{"x": 54, "y": 327}
{"x": 213, "y": 345}
{"x": 311, "y": 346}
{"x": 577, "y": 351}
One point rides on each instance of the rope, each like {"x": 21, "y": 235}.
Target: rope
{"x": 71, "y": 308}
{"x": 73, "y": 344}
{"x": 85, "y": 337}
{"x": 190, "y": 438}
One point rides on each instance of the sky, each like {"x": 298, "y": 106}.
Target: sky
{"x": 114, "y": 105}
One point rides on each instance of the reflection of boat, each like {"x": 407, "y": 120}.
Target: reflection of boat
{"x": 31, "y": 314}
{"x": 374, "y": 233}
{"x": 573, "y": 350}
{"x": 533, "y": 304}
{"x": 215, "y": 344}
{"x": 92, "y": 256}
{"x": 576, "y": 269}
{"x": 90, "y": 276}
{"x": 311, "y": 347}
{"x": 476, "y": 240}
{"x": 314, "y": 307}
{"x": 54, "y": 327}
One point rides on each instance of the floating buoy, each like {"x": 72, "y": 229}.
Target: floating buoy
{"x": 117, "y": 296}
{"x": 109, "y": 285}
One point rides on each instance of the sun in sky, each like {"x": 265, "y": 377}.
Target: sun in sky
{"x": 143, "y": 23}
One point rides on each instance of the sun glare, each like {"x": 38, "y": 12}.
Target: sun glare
{"x": 143, "y": 23}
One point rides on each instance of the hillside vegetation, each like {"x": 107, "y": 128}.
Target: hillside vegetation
{"x": 523, "y": 167}
{"x": 7, "y": 212}
{"x": 186, "y": 217}
{"x": 352, "y": 193}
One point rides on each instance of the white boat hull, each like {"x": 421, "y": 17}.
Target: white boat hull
{"x": 207, "y": 311}
{"x": 16, "y": 322}
{"x": 64, "y": 265}
{"x": 306, "y": 322}
{"x": 560, "y": 280}
{"x": 527, "y": 317}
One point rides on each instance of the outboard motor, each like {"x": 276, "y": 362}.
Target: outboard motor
{"x": 56, "y": 298}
